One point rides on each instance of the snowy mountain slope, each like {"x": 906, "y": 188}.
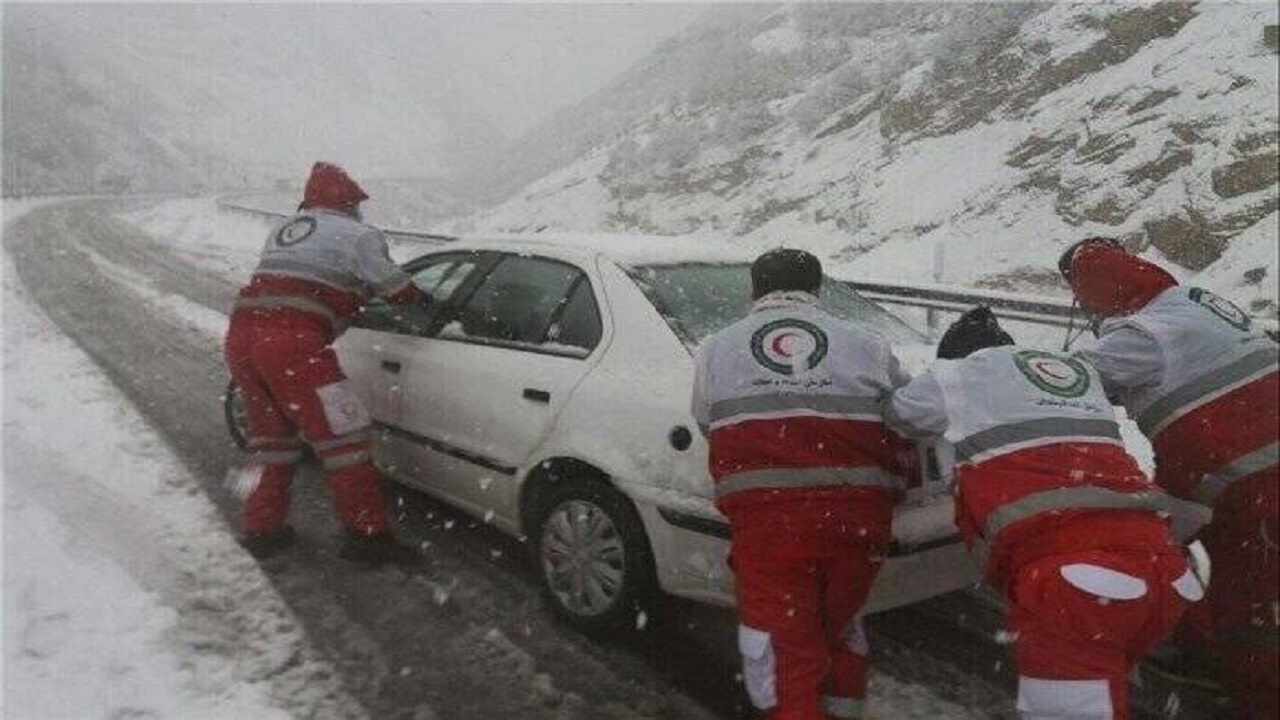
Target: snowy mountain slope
{"x": 170, "y": 97}
{"x": 874, "y": 133}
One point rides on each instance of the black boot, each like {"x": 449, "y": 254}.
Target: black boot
{"x": 264, "y": 545}
{"x": 376, "y": 549}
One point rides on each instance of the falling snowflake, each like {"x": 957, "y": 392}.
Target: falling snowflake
{"x": 1006, "y": 637}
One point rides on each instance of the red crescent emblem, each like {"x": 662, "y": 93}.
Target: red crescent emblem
{"x": 776, "y": 345}
{"x": 1042, "y": 368}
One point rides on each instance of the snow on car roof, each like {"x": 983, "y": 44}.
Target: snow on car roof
{"x": 623, "y": 249}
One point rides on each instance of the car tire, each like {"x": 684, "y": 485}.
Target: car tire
{"x": 234, "y": 415}
{"x": 614, "y": 547}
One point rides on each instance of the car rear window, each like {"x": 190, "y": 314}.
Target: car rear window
{"x": 698, "y": 299}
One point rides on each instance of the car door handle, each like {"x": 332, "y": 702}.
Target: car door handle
{"x": 391, "y": 366}
{"x": 538, "y": 396}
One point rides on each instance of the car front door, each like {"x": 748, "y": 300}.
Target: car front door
{"x": 378, "y": 352}
{"x": 482, "y": 389}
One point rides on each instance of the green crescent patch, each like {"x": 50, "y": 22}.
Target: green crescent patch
{"x": 1055, "y": 374}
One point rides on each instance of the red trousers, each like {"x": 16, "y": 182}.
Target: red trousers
{"x": 1082, "y": 622}
{"x": 1243, "y": 603}
{"x": 292, "y": 384}
{"x": 801, "y": 584}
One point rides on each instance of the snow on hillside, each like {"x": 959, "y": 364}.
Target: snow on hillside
{"x": 179, "y": 97}
{"x": 1001, "y": 133}
{"x": 124, "y": 592}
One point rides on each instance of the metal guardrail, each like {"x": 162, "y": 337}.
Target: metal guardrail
{"x": 392, "y": 232}
{"x": 1011, "y": 306}
{"x": 942, "y": 298}
{"x": 1026, "y": 308}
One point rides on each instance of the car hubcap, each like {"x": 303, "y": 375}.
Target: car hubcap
{"x": 583, "y": 557}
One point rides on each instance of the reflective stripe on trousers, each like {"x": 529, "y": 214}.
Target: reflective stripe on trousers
{"x": 275, "y": 457}
{"x": 1182, "y": 400}
{"x": 359, "y": 436}
{"x": 1242, "y": 467}
{"x": 274, "y": 451}
{"x": 276, "y": 302}
{"x": 1041, "y": 431}
{"x": 787, "y": 478}
{"x": 1190, "y": 515}
{"x": 853, "y": 407}
{"x": 1089, "y": 498}
{"x": 337, "y": 462}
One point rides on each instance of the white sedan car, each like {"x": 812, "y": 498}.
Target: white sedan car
{"x": 547, "y": 391}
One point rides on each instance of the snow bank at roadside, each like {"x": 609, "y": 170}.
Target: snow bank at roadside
{"x": 226, "y": 243}
{"x": 124, "y": 593}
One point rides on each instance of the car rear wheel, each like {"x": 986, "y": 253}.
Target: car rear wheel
{"x": 593, "y": 557}
{"x": 236, "y": 417}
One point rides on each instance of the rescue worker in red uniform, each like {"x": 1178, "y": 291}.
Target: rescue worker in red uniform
{"x": 316, "y": 271}
{"x": 790, "y": 399}
{"x": 1064, "y": 523}
{"x": 1200, "y": 380}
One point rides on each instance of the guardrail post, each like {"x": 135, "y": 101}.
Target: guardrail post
{"x": 939, "y": 261}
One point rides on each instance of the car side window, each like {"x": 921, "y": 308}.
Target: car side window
{"x": 515, "y": 303}
{"x": 578, "y": 325}
{"x": 438, "y": 276}
{"x": 440, "y": 279}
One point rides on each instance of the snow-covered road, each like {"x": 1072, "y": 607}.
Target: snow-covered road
{"x": 125, "y": 596}
{"x": 114, "y": 439}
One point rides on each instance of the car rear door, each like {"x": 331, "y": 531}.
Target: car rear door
{"x": 482, "y": 389}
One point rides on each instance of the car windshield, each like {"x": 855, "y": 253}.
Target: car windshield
{"x": 698, "y": 299}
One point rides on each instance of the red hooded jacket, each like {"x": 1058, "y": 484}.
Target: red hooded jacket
{"x": 330, "y": 187}
{"x": 1109, "y": 281}
{"x": 1194, "y": 374}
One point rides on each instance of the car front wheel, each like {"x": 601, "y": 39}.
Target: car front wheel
{"x": 594, "y": 558}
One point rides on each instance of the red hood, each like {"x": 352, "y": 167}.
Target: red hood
{"x": 330, "y": 187}
{"x": 1109, "y": 281}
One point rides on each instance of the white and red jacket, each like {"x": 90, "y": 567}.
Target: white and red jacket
{"x": 790, "y": 399}
{"x": 1040, "y": 465}
{"x": 326, "y": 265}
{"x": 1201, "y": 382}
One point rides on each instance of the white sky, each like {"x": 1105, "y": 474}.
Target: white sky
{"x": 527, "y": 59}
{"x": 389, "y": 89}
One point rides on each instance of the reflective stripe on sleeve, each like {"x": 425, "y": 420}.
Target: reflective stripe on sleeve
{"x": 338, "y": 462}
{"x": 1090, "y": 498}
{"x": 851, "y": 407}
{"x": 1182, "y": 400}
{"x": 1031, "y": 433}
{"x": 294, "y": 268}
{"x": 276, "y": 302}
{"x": 784, "y": 478}
{"x": 1242, "y": 467}
{"x": 842, "y": 707}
